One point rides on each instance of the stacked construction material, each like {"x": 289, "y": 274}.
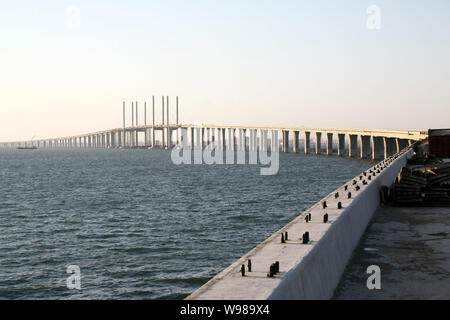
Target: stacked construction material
{"x": 422, "y": 185}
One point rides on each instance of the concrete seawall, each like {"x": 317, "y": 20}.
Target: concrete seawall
{"x": 312, "y": 270}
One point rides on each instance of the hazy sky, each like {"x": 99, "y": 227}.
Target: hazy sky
{"x": 66, "y": 66}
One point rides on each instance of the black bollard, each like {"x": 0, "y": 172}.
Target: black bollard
{"x": 339, "y": 205}
{"x": 243, "y": 270}
{"x": 282, "y": 238}
{"x": 325, "y": 218}
{"x": 305, "y": 238}
{"x": 324, "y": 204}
{"x": 271, "y": 270}
{"x": 277, "y": 267}
{"x": 249, "y": 265}
{"x": 345, "y": 188}
{"x": 336, "y": 195}
{"x": 357, "y": 187}
{"x": 349, "y": 195}
{"x": 285, "y": 236}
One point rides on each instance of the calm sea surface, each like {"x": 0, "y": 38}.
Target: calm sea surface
{"x": 138, "y": 226}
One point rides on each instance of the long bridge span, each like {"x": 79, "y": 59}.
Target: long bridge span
{"x": 364, "y": 143}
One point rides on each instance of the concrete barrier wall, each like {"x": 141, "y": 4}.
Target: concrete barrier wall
{"x": 319, "y": 272}
{"x": 313, "y": 270}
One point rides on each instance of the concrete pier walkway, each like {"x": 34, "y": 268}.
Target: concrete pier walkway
{"x": 411, "y": 245}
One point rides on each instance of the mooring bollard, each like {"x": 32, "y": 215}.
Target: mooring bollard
{"x": 339, "y": 205}
{"x": 271, "y": 270}
{"x": 357, "y": 187}
{"x": 324, "y": 204}
{"x": 277, "y": 267}
{"x": 305, "y": 237}
{"x": 282, "y": 238}
{"x": 249, "y": 265}
{"x": 345, "y": 188}
{"x": 349, "y": 195}
{"x": 286, "y": 236}
{"x": 325, "y": 218}
{"x": 309, "y": 215}
{"x": 243, "y": 270}
{"x": 336, "y": 195}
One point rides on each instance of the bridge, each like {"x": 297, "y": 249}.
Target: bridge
{"x": 364, "y": 143}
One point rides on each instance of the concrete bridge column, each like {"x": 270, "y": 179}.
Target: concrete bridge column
{"x": 233, "y": 137}
{"x": 145, "y": 130}
{"x": 203, "y": 138}
{"x": 252, "y": 136}
{"x": 198, "y": 139}
{"x": 274, "y": 142}
{"x": 352, "y": 145}
{"x": 241, "y": 140}
{"x": 402, "y": 143}
{"x": 366, "y": 150}
{"x": 170, "y": 138}
{"x": 307, "y": 141}
{"x": 377, "y": 147}
{"x": 329, "y": 143}
{"x": 224, "y": 141}
{"x": 295, "y": 147}
{"x": 192, "y": 138}
{"x": 318, "y": 142}
{"x": 389, "y": 147}
{"x": 285, "y": 137}
{"x": 208, "y": 136}
{"x": 261, "y": 140}
{"x": 230, "y": 144}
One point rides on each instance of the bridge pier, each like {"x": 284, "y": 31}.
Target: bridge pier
{"x": 329, "y": 143}
{"x": 352, "y": 145}
{"x": 341, "y": 144}
{"x": 307, "y": 141}
{"x": 402, "y": 143}
{"x": 318, "y": 142}
{"x": 365, "y": 146}
{"x": 296, "y": 141}
{"x": 377, "y": 147}
{"x": 389, "y": 147}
